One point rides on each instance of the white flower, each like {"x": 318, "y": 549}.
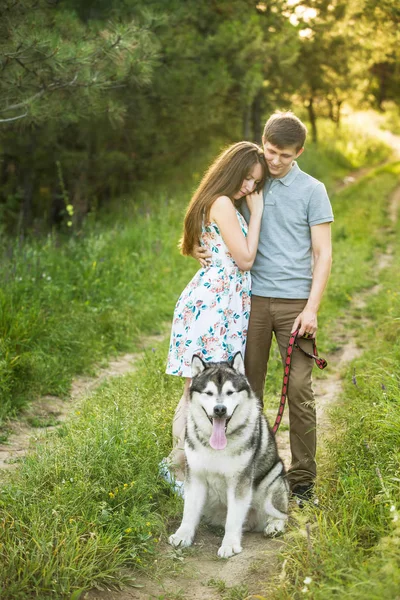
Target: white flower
{"x": 392, "y": 508}
{"x": 305, "y": 589}
{"x": 307, "y": 580}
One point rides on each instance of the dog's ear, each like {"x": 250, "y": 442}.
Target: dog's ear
{"x": 198, "y": 365}
{"x": 238, "y": 363}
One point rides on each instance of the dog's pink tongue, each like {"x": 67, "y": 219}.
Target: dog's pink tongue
{"x": 218, "y": 437}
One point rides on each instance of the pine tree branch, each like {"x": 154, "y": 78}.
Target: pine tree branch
{"x": 13, "y": 118}
{"x": 23, "y": 103}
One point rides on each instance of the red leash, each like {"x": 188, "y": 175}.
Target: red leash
{"x": 320, "y": 362}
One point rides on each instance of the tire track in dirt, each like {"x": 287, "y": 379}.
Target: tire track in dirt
{"x": 52, "y": 409}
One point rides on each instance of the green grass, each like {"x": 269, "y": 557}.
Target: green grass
{"x": 65, "y": 306}
{"x": 90, "y": 501}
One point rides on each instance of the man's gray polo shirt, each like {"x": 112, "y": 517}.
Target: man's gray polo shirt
{"x": 292, "y": 205}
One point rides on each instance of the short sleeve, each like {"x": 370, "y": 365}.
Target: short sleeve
{"x": 319, "y": 207}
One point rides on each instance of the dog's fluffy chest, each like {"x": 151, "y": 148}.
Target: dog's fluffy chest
{"x": 212, "y": 464}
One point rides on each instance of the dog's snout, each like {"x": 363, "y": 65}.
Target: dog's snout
{"x": 219, "y": 410}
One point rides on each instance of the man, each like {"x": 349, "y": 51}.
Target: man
{"x": 289, "y": 276}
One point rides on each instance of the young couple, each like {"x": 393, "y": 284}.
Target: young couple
{"x": 255, "y": 211}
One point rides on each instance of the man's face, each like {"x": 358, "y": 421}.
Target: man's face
{"x": 280, "y": 160}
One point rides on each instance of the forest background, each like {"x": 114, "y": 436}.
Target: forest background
{"x": 98, "y": 96}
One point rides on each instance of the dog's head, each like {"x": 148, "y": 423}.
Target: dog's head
{"x": 218, "y": 394}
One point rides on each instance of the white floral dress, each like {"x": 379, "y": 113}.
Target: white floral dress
{"x": 212, "y": 314}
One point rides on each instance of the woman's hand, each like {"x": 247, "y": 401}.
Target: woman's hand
{"x": 255, "y": 202}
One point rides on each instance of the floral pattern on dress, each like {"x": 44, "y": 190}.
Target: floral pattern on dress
{"x": 212, "y": 314}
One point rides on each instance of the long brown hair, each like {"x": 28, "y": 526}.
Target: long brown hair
{"x": 223, "y": 178}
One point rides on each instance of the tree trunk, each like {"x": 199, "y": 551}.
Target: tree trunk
{"x": 338, "y": 113}
{"x": 313, "y": 120}
{"x": 27, "y": 202}
{"x": 246, "y": 123}
{"x": 256, "y": 115}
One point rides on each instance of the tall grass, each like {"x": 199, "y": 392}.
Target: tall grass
{"x": 340, "y": 151}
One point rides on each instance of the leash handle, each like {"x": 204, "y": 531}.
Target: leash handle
{"x": 320, "y": 362}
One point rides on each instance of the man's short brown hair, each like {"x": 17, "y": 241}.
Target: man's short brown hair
{"x": 284, "y": 129}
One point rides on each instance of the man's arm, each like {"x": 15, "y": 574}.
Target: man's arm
{"x": 322, "y": 254}
{"x": 202, "y": 255}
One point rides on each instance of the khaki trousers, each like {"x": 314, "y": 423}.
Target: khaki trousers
{"x": 277, "y": 315}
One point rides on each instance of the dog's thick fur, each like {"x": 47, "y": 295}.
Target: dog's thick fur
{"x": 234, "y": 476}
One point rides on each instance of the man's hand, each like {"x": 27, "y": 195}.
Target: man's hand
{"x": 202, "y": 255}
{"x": 307, "y": 323}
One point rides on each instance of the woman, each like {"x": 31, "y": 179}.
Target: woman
{"x": 212, "y": 313}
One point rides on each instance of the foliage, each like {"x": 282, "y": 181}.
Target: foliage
{"x": 116, "y": 92}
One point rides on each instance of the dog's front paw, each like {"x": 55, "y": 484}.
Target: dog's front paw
{"x": 227, "y": 550}
{"x": 274, "y": 527}
{"x": 181, "y": 538}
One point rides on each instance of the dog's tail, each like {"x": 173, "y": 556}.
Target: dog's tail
{"x": 272, "y": 511}
{"x": 278, "y": 491}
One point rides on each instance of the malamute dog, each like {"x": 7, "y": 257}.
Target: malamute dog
{"x": 234, "y": 476}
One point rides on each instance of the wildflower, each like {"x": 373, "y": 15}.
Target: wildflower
{"x": 132, "y": 483}
{"x": 72, "y": 520}
{"x": 128, "y": 530}
{"x": 392, "y": 508}
{"x": 125, "y": 486}
{"x": 111, "y": 494}
{"x": 305, "y": 589}
{"x": 148, "y": 524}
{"x": 307, "y": 580}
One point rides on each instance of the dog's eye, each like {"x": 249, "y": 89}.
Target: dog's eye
{"x": 229, "y": 393}
{"x": 209, "y": 393}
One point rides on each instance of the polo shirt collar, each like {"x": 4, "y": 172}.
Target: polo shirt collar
{"x": 291, "y": 176}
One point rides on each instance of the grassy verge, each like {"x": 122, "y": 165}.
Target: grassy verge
{"x": 348, "y": 547}
{"x": 66, "y": 303}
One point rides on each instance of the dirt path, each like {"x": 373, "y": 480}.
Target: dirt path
{"x": 46, "y": 413}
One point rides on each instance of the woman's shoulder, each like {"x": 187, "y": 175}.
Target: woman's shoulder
{"x": 221, "y": 205}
